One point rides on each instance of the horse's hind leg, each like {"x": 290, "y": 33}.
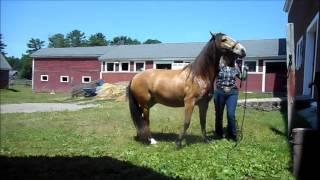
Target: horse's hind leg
{"x": 147, "y": 132}
{"x": 203, "y": 107}
{"x": 188, "y": 112}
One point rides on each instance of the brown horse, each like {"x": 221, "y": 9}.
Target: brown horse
{"x": 187, "y": 87}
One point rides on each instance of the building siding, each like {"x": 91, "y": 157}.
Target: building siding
{"x": 254, "y": 83}
{"x": 117, "y": 77}
{"x": 301, "y": 14}
{"x": 72, "y": 67}
{"x": 4, "y": 79}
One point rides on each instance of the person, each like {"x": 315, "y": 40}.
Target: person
{"x": 226, "y": 94}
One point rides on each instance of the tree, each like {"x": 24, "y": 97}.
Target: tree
{"x": 34, "y": 45}
{"x": 26, "y": 63}
{"x": 152, "y": 41}
{"x": 57, "y": 41}
{"x": 2, "y": 46}
{"x": 124, "y": 40}
{"x": 76, "y": 39}
{"x": 14, "y": 62}
{"x": 97, "y": 39}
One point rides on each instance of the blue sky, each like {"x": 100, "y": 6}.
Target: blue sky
{"x": 167, "y": 21}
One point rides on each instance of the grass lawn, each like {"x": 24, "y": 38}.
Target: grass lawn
{"x": 24, "y": 94}
{"x": 98, "y": 142}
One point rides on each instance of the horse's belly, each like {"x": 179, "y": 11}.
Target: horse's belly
{"x": 169, "y": 99}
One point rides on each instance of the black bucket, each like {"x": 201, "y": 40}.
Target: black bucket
{"x": 306, "y": 153}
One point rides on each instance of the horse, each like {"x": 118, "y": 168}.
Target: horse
{"x": 186, "y": 87}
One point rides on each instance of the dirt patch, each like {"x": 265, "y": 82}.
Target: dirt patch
{"x": 42, "y": 107}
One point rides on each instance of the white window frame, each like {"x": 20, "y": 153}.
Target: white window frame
{"x": 120, "y": 66}
{"x": 257, "y": 66}
{"x": 106, "y": 66}
{"x": 135, "y": 66}
{"x": 299, "y": 50}
{"x": 82, "y": 79}
{"x": 61, "y": 79}
{"x": 45, "y": 75}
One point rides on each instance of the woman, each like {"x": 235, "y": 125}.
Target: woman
{"x": 226, "y": 93}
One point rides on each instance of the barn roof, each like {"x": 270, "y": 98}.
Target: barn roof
{"x": 96, "y": 51}
{"x": 255, "y": 48}
{"x": 4, "y": 65}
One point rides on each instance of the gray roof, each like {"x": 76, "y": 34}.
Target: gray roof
{"x": 4, "y": 65}
{"x": 153, "y": 51}
{"x": 96, "y": 51}
{"x": 255, "y": 48}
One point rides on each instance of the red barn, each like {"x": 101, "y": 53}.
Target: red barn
{"x": 59, "y": 69}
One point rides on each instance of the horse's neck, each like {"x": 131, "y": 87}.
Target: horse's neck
{"x": 210, "y": 63}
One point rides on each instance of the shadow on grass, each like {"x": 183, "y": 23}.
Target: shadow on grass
{"x": 80, "y": 167}
{"x": 172, "y": 137}
{"x": 13, "y": 90}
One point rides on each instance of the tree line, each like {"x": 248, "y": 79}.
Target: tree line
{"x": 75, "y": 38}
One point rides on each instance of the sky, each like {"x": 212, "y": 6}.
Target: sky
{"x": 170, "y": 21}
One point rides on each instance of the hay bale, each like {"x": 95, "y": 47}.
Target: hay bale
{"x": 110, "y": 91}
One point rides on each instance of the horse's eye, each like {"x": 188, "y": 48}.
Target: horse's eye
{"x": 223, "y": 40}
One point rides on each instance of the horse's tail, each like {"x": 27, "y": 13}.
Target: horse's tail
{"x": 136, "y": 112}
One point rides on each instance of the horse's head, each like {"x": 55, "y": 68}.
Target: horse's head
{"x": 227, "y": 45}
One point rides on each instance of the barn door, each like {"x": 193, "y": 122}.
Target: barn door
{"x": 276, "y": 77}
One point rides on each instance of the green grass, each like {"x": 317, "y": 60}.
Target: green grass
{"x": 24, "y": 94}
{"x": 107, "y": 131}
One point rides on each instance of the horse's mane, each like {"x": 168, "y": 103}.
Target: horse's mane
{"x": 205, "y": 60}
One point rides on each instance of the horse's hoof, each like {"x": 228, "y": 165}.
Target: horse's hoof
{"x": 153, "y": 141}
{"x": 178, "y": 144}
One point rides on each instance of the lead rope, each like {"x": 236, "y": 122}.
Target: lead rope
{"x": 240, "y": 132}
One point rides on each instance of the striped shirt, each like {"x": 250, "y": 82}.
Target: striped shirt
{"x": 227, "y": 76}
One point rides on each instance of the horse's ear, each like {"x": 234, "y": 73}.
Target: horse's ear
{"x": 213, "y": 36}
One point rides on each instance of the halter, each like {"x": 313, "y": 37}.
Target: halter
{"x": 235, "y": 45}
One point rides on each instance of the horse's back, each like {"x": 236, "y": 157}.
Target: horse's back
{"x": 162, "y": 86}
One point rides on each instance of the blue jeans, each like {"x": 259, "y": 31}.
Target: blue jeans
{"x": 230, "y": 99}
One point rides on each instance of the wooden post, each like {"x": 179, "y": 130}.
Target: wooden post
{"x": 291, "y": 79}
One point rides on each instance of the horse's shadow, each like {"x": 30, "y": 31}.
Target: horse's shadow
{"x": 189, "y": 138}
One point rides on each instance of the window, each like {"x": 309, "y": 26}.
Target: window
{"x": 44, "y": 77}
{"x": 252, "y": 65}
{"x": 139, "y": 66}
{"x": 179, "y": 64}
{"x": 163, "y": 66}
{"x": 86, "y": 79}
{"x": 64, "y": 78}
{"x": 110, "y": 67}
{"x": 125, "y": 67}
{"x": 299, "y": 53}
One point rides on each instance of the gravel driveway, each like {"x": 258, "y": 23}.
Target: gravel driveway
{"x": 42, "y": 107}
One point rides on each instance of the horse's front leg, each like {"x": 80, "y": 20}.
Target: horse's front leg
{"x": 188, "y": 106}
{"x": 203, "y": 108}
